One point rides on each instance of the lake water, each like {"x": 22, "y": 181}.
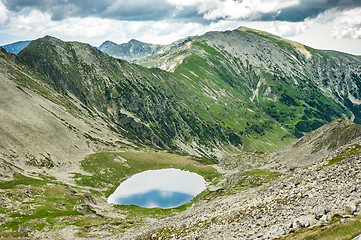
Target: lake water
{"x": 164, "y": 188}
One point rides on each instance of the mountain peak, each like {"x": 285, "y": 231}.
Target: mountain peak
{"x": 135, "y": 41}
{"x": 109, "y": 42}
{"x": 106, "y": 45}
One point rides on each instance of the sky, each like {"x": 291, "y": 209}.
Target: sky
{"x": 322, "y": 24}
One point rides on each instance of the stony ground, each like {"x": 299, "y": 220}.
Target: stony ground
{"x": 250, "y": 201}
{"x": 302, "y": 199}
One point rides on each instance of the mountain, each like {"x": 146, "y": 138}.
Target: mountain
{"x": 131, "y": 51}
{"x": 269, "y": 123}
{"x": 42, "y": 128}
{"x": 16, "y": 47}
{"x": 137, "y": 51}
{"x": 222, "y": 93}
{"x": 276, "y": 74}
{"x": 154, "y": 107}
{"x": 322, "y": 142}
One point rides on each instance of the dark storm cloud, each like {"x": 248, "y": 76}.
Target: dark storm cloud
{"x": 60, "y": 9}
{"x": 311, "y": 9}
{"x": 138, "y": 10}
{"x": 146, "y": 10}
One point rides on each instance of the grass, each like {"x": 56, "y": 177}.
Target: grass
{"x": 257, "y": 177}
{"x": 335, "y": 230}
{"x": 108, "y": 169}
{"x": 36, "y": 204}
{"x": 136, "y": 211}
{"x": 354, "y": 150}
{"x": 20, "y": 179}
{"x": 42, "y": 203}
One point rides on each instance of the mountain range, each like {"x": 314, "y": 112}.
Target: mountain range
{"x": 76, "y": 119}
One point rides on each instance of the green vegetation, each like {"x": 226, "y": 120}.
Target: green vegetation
{"x": 36, "y": 204}
{"x": 301, "y": 108}
{"x": 20, "y": 179}
{"x": 136, "y": 211}
{"x": 257, "y": 177}
{"x": 42, "y": 204}
{"x": 108, "y": 169}
{"x": 354, "y": 150}
{"x": 335, "y": 230}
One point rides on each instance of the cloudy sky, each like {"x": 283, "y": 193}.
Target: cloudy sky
{"x": 324, "y": 24}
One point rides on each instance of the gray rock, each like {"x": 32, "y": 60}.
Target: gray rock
{"x": 350, "y": 208}
{"x": 83, "y": 208}
{"x": 321, "y": 211}
{"x": 305, "y": 221}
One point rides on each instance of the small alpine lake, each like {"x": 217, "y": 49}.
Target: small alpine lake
{"x": 164, "y": 188}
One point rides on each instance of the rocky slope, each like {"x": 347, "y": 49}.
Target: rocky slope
{"x": 325, "y": 190}
{"x": 320, "y": 199}
{"x": 315, "y": 145}
{"x": 307, "y": 198}
{"x": 42, "y": 129}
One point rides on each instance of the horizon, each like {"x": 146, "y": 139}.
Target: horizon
{"x": 96, "y": 46}
{"x": 325, "y": 25}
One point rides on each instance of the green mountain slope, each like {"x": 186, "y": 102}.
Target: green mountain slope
{"x": 299, "y": 87}
{"x": 221, "y": 92}
{"x": 42, "y": 130}
{"x": 149, "y": 105}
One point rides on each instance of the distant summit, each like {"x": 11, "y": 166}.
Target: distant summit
{"x": 16, "y": 47}
{"x": 130, "y": 51}
{"x": 139, "y": 52}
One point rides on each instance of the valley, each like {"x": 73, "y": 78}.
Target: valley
{"x": 270, "y": 124}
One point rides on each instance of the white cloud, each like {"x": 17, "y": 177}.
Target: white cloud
{"x": 232, "y": 9}
{"x": 348, "y": 24}
{"x": 288, "y": 29}
{"x": 34, "y": 24}
{"x": 3, "y": 14}
{"x": 341, "y": 24}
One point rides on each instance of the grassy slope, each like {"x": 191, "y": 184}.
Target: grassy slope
{"x": 216, "y": 98}
{"x": 170, "y": 106}
{"x": 210, "y": 100}
{"x": 43, "y": 203}
{"x": 334, "y": 230}
{"x": 108, "y": 169}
